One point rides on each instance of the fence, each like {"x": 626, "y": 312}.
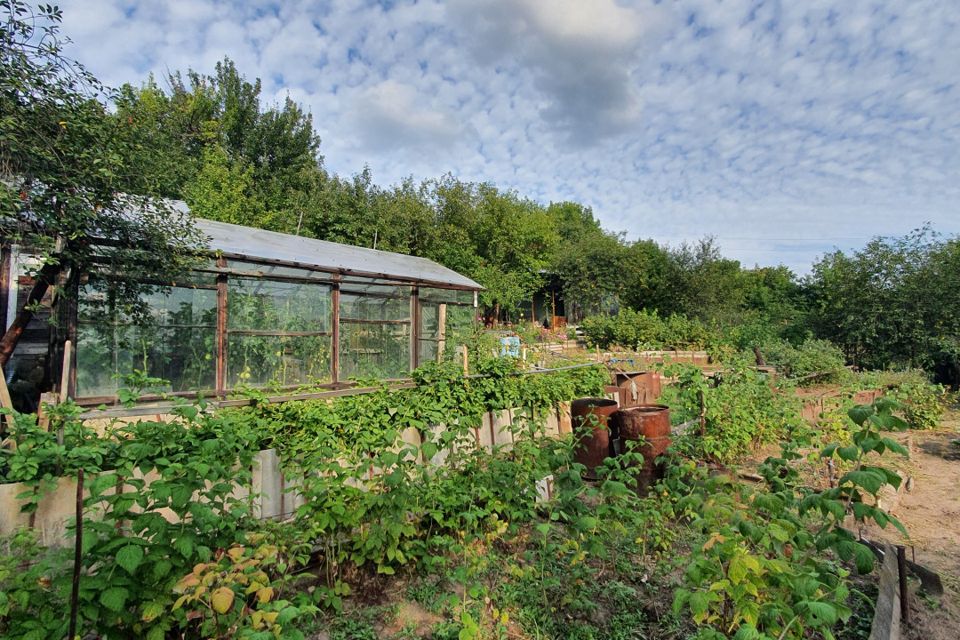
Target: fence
{"x": 273, "y": 495}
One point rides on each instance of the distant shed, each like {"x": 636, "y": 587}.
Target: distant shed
{"x": 268, "y": 310}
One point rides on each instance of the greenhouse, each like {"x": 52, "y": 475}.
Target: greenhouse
{"x": 269, "y": 310}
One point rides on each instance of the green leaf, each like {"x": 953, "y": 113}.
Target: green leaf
{"x": 114, "y": 598}
{"x": 822, "y": 613}
{"x": 899, "y": 525}
{"x": 860, "y": 413}
{"x": 849, "y": 454}
{"x": 895, "y": 446}
{"x": 699, "y": 606}
{"x": 737, "y": 570}
{"x": 747, "y": 632}
{"x": 680, "y": 597}
{"x": 157, "y": 632}
{"x": 152, "y": 611}
{"x": 863, "y": 558}
{"x": 161, "y": 569}
{"x": 130, "y": 557}
{"x": 184, "y": 545}
{"x": 870, "y": 480}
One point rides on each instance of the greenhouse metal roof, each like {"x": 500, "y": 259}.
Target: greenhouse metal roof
{"x": 284, "y": 249}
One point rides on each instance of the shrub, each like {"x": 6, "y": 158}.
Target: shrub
{"x": 810, "y": 357}
{"x": 32, "y": 588}
{"x": 647, "y": 330}
{"x": 740, "y": 411}
{"x": 923, "y": 403}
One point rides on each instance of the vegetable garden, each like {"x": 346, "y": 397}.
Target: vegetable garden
{"x": 170, "y": 547}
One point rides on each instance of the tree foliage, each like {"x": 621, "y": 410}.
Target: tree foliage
{"x": 63, "y": 171}
{"x": 892, "y": 303}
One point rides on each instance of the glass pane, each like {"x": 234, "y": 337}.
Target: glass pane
{"x": 255, "y": 269}
{"x": 176, "y": 305}
{"x": 176, "y": 345}
{"x": 447, "y": 295}
{"x": 183, "y": 356}
{"x": 428, "y": 351}
{"x": 391, "y": 290}
{"x": 461, "y": 322}
{"x": 277, "y": 306}
{"x": 374, "y": 350}
{"x": 429, "y": 319}
{"x": 277, "y": 361}
{"x": 372, "y": 308}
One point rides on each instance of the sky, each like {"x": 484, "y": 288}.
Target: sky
{"x": 783, "y": 129}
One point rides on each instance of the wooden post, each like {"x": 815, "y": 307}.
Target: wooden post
{"x": 5, "y": 273}
{"x": 441, "y": 330}
{"x": 335, "y": 330}
{"x": 904, "y": 591}
{"x": 703, "y": 413}
{"x": 466, "y": 356}
{"x": 414, "y": 328}
{"x": 221, "y": 355}
{"x": 77, "y": 560}
{"x": 65, "y": 371}
{"x": 5, "y": 401}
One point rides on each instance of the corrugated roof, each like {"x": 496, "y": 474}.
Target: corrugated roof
{"x": 282, "y": 248}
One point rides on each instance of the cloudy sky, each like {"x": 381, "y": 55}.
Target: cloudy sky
{"x": 784, "y": 129}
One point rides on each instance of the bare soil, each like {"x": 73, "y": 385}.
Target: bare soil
{"x": 930, "y": 511}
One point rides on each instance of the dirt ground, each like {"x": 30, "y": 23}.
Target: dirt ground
{"x": 930, "y": 510}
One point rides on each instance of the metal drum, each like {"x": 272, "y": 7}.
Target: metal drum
{"x": 651, "y": 425}
{"x": 637, "y": 387}
{"x": 590, "y": 418}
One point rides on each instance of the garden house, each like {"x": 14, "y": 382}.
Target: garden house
{"x": 267, "y": 310}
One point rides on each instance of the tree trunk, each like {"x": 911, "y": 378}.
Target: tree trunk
{"x": 47, "y": 276}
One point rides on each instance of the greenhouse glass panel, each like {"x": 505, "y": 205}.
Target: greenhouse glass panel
{"x": 449, "y": 296}
{"x": 370, "y": 350}
{"x": 372, "y": 288}
{"x": 429, "y": 331}
{"x": 277, "y": 361}
{"x": 373, "y": 308}
{"x": 461, "y": 323}
{"x": 277, "y": 307}
{"x": 276, "y": 271}
{"x": 278, "y": 333}
{"x": 175, "y": 342}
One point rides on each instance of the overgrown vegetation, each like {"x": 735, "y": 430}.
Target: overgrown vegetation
{"x": 387, "y": 495}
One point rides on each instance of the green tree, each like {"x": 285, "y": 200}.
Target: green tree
{"x": 893, "y": 302}
{"x": 223, "y": 190}
{"x": 62, "y": 173}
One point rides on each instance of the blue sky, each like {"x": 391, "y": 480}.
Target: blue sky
{"x": 784, "y": 129}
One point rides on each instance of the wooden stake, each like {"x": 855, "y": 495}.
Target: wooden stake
{"x": 77, "y": 559}
{"x": 703, "y": 413}
{"x": 43, "y": 419}
{"x": 441, "y": 330}
{"x": 5, "y": 401}
{"x": 65, "y": 371}
{"x": 466, "y": 356}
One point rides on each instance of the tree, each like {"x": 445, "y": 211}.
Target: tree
{"x": 894, "y": 302}
{"x": 592, "y": 270}
{"x": 223, "y": 190}
{"x": 62, "y": 174}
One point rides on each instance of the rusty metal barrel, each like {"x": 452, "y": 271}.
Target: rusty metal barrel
{"x": 637, "y": 387}
{"x": 649, "y": 424}
{"x": 590, "y": 419}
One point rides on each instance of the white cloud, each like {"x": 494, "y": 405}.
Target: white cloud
{"x": 782, "y": 128}
{"x": 390, "y": 115}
